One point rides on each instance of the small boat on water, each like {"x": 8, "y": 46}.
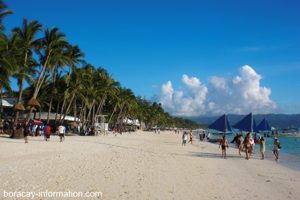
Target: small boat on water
{"x": 222, "y": 126}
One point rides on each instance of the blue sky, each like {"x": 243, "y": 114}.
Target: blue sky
{"x": 144, "y": 44}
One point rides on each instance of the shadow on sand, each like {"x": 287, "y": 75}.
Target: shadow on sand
{"x": 216, "y": 155}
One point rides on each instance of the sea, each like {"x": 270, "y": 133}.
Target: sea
{"x": 289, "y": 153}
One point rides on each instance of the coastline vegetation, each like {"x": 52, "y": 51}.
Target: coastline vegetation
{"x": 61, "y": 81}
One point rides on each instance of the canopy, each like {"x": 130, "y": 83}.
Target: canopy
{"x": 246, "y": 124}
{"x": 263, "y": 126}
{"x": 221, "y": 124}
{"x": 36, "y": 122}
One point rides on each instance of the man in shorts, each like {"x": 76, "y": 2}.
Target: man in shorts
{"x": 61, "y": 132}
{"x": 224, "y": 145}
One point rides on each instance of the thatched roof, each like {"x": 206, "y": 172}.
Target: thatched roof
{"x": 19, "y": 107}
{"x": 34, "y": 103}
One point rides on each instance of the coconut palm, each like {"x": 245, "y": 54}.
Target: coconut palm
{"x": 3, "y": 13}
{"x": 27, "y": 43}
{"x": 50, "y": 47}
{"x": 73, "y": 57}
{"x": 8, "y": 61}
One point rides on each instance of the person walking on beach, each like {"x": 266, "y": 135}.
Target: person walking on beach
{"x": 247, "y": 146}
{"x": 224, "y": 145}
{"x": 47, "y": 132}
{"x": 184, "y": 138}
{"x": 276, "y": 148}
{"x": 208, "y": 136}
{"x": 191, "y": 137}
{"x": 262, "y": 145}
{"x": 26, "y": 131}
{"x": 238, "y": 140}
{"x": 61, "y": 132}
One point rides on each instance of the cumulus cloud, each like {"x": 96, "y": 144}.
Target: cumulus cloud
{"x": 240, "y": 95}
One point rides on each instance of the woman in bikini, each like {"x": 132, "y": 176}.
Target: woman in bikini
{"x": 247, "y": 146}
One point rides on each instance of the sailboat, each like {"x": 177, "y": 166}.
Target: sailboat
{"x": 246, "y": 124}
{"x": 264, "y": 127}
{"x": 222, "y": 125}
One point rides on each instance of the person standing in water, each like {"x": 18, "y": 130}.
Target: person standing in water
{"x": 262, "y": 144}
{"x": 276, "y": 148}
{"x": 224, "y": 145}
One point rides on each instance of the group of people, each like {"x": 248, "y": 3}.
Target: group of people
{"x": 243, "y": 144}
{"x": 247, "y": 144}
{"x": 35, "y": 130}
{"x": 185, "y": 137}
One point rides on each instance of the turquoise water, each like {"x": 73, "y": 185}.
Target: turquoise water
{"x": 290, "y": 145}
{"x": 289, "y": 153}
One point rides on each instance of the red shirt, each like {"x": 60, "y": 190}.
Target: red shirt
{"x": 48, "y": 130}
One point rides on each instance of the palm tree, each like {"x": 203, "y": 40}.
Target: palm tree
{"x": 5, "y": 64}
{"x": 26, "y": 35}
{"x": 73, "y": 57}
{"x": 8, "y": 62}
{"x": 3, "y": 13}
{"x": 50, "y": 48}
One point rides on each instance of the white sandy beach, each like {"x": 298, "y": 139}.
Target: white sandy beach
{"x": 141, "y": 166}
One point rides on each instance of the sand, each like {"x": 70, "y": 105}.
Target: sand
{"x": 141, "y": 166}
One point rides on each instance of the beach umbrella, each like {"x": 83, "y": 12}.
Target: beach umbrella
{"x": 34, "y": 103}
{"x": 36, "y": 122}
{"x": 19, "y": 107}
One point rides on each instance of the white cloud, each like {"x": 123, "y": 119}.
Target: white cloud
{"x": 240, "y": 95}
{"x": 187, "y": 102}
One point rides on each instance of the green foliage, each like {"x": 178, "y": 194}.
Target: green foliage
{"x": 60, "y": 78}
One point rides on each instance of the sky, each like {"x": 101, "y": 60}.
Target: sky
{"x": 195, "y": 57}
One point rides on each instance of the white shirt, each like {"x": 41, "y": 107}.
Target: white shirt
{"x": 61, "y": 129}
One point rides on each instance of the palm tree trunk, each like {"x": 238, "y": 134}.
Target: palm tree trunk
{"x": 41, "y": 76}
{"x": 120, "y": 113}
{"x": 1, "y": 98}
{"x": 39, "y": 80}
{"x": 100, "y": 107}
{"x": 75, "y": 110}
{"x": 90, "y": 110}
{"x": 21, "y": 88}
{"x": 115, "y": 108}
{"x": 57, "y": 109}
{"x": 62, "y": 109}
{"x": 19, "y": 99}
{"x": 68, "y": 108}
{"x": 51, "y": 99}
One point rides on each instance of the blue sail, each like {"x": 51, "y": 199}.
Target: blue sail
{"x": 221, "y": 124}
{"x": 246, "y": 124}
{"x": 263, "y": 126}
